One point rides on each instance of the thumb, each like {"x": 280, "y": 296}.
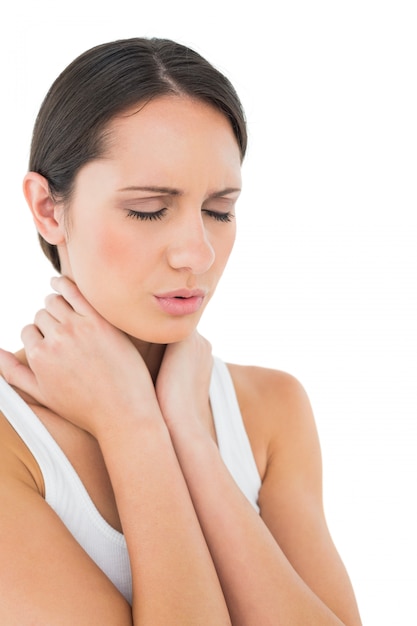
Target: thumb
{"x": 19, "y": 375}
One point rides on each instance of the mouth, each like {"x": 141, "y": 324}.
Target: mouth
{"x": 181, "y": 302}
{"x": 183, "y": 294}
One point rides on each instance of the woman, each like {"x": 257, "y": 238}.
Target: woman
{"x": 142, "y": 480}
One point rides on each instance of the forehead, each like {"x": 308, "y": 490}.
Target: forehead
{"x": 171, "y": 132}
{"x": 170, "y": 116}
{"x": 170, "y": 141}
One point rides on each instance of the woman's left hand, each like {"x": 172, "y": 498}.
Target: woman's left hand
{"x": 183, "y": 383}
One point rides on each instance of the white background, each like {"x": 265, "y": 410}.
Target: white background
{"x": 322, "y": 282}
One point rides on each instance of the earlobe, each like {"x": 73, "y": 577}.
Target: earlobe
{"x": 45, "y": 210}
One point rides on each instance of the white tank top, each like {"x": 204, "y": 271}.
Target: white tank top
{"x": 67, "y": 496}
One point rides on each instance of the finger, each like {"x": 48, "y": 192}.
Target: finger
{"x": 44, "y": 322}
{"x": 19, "y": 375}
{"x": 7, "y": 362}
{"x": 69, "y": 290}
{"x": 31, "y": 335}
{"x": 58, "y": 307}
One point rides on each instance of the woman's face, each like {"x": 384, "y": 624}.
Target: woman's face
{"x": 151, "y": 224}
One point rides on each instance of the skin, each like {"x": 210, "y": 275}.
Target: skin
{"x": 140, "y": 433}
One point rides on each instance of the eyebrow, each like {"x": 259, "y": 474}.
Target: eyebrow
{"x": 170, "y": 191}
{"x": 153, "y": 189}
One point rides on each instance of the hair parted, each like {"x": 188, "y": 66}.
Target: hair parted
{"x": 102, "y": 82}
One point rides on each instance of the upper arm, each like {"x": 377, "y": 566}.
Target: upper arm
{"x": 45, "y": 575}
{"x": 290, "y": 499}
{"x": 280, "y": 421}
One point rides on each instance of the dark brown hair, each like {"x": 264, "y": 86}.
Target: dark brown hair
{"x": 102, "y": 82}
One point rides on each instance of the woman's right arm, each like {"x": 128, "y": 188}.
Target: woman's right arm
{"x": 174, "y": 578}
{"x": 46, "y": 578}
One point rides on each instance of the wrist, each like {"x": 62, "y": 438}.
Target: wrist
{"x": 122, "y": 422}
{"x": 193, "y": 435}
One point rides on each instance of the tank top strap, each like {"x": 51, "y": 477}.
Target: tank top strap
{"x": 232, "y": 438}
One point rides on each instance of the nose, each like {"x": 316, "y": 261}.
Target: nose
{"x": 190, "y": 247}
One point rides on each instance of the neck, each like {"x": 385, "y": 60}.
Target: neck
{"x": 151, "y": 353}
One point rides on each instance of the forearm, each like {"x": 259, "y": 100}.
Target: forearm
{"x": 259, "y": 583}
{"x": 174, "y": 579}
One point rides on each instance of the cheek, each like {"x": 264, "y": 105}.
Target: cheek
{"x": 109, "y": 249}
{"x": 225, "y": 246}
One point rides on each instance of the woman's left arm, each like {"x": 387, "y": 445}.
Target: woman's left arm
{"x": 280, "y": 567}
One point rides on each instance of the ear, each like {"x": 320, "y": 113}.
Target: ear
{"x": 46, "y": 212}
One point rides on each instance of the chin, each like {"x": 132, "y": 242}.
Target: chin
{"x": 164, "y": 336}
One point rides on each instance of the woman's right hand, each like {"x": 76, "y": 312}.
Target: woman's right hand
{"x": 80, "y": 366}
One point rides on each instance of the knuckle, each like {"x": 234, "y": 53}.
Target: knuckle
{"x": 35, "y": 353}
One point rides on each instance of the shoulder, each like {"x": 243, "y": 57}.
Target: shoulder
{"x": 17, "y": 464}
{"x": 266, "y": 386}
{"x": 278, "y": 418}
{"x": 277, "y": 399}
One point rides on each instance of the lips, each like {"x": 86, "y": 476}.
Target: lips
{"x": 181, "y": 301}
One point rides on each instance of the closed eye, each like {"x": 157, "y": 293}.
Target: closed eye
{"x": 228, "y": 216}
{"x": 147, "y": 216}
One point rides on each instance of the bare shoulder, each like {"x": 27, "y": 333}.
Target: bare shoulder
{"x": 16, "y": 460}
{"x": 276, "y": 411}
{"x": 267, "y": 390}
{"x": 17, "y": 464}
